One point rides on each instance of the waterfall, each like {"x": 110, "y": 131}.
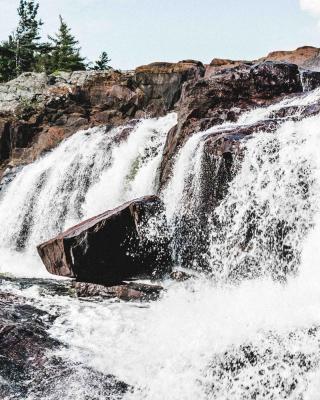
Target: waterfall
{"x": 88, "y": 173}
{"x": 212, "y": 339}
{"x": 247, "y": 329}
{"x": 259, "y": 226}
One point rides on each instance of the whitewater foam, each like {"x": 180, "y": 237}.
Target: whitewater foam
{"x": 88, "y": 173}
{"x": 223, "y": 338}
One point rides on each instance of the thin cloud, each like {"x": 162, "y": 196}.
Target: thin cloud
{"x": 311, "y": 6}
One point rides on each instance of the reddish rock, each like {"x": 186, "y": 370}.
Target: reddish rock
{"x": 219, "y": 64}
{"x": 38, "y": 111}
{"x": 307, "y": 57}
{"x": 162, "y": 83}
{"x": 222, "y": 97}
{"x": 110, "y": 247}
{"x": 131, "y": 291}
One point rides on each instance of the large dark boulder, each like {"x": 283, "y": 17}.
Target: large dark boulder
{"x": 110, "y": 247}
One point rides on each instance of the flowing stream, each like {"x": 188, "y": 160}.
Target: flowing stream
{"x": 249, "y": 328}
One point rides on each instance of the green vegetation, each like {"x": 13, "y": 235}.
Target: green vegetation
{"x": 26, "y": 108}
{"x": 102, "y": 63}
{"x": 65, "y": 54}
{"x": 23, "y": 51}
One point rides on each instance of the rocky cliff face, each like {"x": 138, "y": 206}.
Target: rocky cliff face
{"x": 38, "y": 111}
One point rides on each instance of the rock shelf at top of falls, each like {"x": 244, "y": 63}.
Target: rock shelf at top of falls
{"x": 37, "y": 111}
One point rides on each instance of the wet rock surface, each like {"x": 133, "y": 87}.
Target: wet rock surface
{"x": 289, "y": 365}
{"x": 224, "y": 96}
{"x": 29, "y": 366}
{"x": 131, "y": 291}
{"x": 24, "y": 342}
{"x": 110, "y": 247}
{"x": 220, "y": 162}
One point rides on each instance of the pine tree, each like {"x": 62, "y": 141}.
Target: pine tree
{"x": 20, "y": 52}
{"x": 27, "y": 36}
{"x": 65, "y": 55}
{"x": 102, "y": 63}
{"x": 7, "y": 60}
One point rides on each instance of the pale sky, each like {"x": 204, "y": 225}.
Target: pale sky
{"x": 136, "y": 32}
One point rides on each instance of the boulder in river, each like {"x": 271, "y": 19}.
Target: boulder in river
{"x": 112, "y": 246}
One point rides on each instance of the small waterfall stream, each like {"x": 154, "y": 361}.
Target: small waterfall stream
{"x": 248, "y": 329}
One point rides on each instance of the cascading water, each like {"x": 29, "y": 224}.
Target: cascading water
{"x": 250, "y": 329}
{"x": 89, "y": 173}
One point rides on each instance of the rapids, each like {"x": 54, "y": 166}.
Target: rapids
{"x": 247, "y": 329}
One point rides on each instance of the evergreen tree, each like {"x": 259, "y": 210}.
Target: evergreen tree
{"x": 44, "y": 63}
{"x": 23, "y": 51}
{"x": 7, "y": 60}
{"x": 20, "y": 52}
{"x": 65, "y": 55}
{"x": 27, "y": 36}
{"x": 102, "y": 63}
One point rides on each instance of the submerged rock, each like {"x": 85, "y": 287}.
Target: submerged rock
{"x": 124, "y": 291}
{"x": 29, "y": 367}
{"x": 180, "y": 276}
{"x": 110, "y": 247}
{"x": 24, "y": 341}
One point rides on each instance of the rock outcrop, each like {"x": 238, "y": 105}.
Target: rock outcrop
{"x": 111, "y": 247}
{"x": 219, "y": 64}
{"x": 306, "y": 57}
{"x": 222, "y": 97}
{"x": 38, "y": 111}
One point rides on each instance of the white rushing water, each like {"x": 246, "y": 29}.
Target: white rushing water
{"x": 208, "y": 338}
{"x": 91, "y": 172}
